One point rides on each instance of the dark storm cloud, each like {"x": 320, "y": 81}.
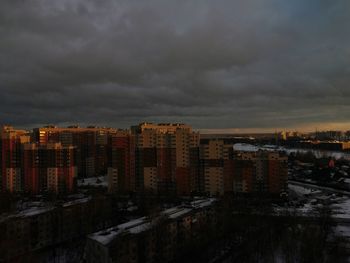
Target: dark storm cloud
{"x": 213, "y": 64}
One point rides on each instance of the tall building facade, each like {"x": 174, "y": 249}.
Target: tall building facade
{"x": 11, "y": 145}
{"x": 49, "y": 167}
{"x": 121, "y": 167}
{"x": 260, "y": 172}
{"x": 167, "y": 157}
{"x": 60, "y": 164}
{"x": 91, "y": 143}
{"x": 224, "y": 170}
{"x": 216, "y": 166}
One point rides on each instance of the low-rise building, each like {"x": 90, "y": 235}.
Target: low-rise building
{"x": 150, "y": 239}
{"x": 38, "y": 226}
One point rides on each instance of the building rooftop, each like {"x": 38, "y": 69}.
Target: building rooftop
{"x": 36, "y": 208}
{"x": 107, "y": 235}
{"x": 104, "y": 237}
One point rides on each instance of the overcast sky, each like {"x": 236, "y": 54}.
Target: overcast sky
{"x": 247, "y": 64}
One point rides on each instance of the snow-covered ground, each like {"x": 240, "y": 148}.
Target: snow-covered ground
{"x": 299, "y": 190}
{"x": 341, "y": 209}
{"x": 317, "y": 153}
{"x": 340, "y": 206}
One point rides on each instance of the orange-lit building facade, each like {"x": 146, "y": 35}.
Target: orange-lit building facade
{"x": 91, "y": 143}
{"x": 12, "y": 141}
{"x": 216, "y": 165}
{"x": 121, "y": 167}
{"x": 33, "y": 168}
{"x": 49, "y": 167}
{"x": 167, "y": 157}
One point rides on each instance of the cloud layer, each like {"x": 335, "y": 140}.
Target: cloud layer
{"x": 212, "y": 64}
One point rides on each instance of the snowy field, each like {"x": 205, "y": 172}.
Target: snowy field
{"x": 317, "y": 153}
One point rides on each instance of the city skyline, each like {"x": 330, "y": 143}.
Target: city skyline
{"x": 222, "y": 64}
{"x": 305, "y": 129}
{"x": 174, "y": 131}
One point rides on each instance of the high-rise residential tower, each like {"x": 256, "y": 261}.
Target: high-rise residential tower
{"x": 91, "y": 143}
{"x": 167, "y": 157}
{"x": 260, "y": 172}
{"x": 121, "y": 167}
{"x": 49, "y": 167}
{"x": 216, "y": 166}
{"x": 11, "y": 145}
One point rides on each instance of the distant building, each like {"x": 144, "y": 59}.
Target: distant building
{"x": 11, "y": 145}
{"x": 333, "y": 146}
{"x": 49, "y": 167}
{"x": 33, "y": 168}
{"x": 260, "y": 172}
{"x": 216, "y": 166}
{"x": 329, "y": 135}
{"x": 121, "y": 164}
{"x": 166, "y": 158}
{"x": 91, "y": 143}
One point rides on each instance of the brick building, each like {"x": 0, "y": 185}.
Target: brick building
{"x": 49, "y": 167}
{"x": 121, "y": 162}
{"x": 166, "y": 158}
{"x": 11, "y": 145}
{"x": 260, "y": 172}
{"x": 216, "y": 166}
{"x": 91, "y": 143}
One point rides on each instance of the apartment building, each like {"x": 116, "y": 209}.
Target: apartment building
{"x": 39, "y": 226}
{"x": 166, "y": 157}
{"x": 11, "y": 145}
{"x": 49, "y": 167}
{"x": 151, "y": 239}
{"x": 91, "y": 143}
{"x": 260, "y": 172}
{"x": 121, "y": 166}
{"x": 216, "y": 166}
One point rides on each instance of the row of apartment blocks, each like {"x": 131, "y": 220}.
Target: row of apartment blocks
{"x": 30, "y": 167}
{"x": 51, "y": 158}
{"x": 159, "y": 238}
{"x": 158, "y": 158}
{"x": 224, "y": 170}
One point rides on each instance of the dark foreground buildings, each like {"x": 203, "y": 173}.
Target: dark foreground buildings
{"x": 158, "y": 238}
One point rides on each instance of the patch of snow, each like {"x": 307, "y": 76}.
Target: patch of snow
{"x": 245, "y": 147}
{"x": 33, "y": 211}
{"x": 93, "y": 181}
{"x": 317, "y": 153}
{"x": 299, "y": 190}
{"x": 341, "y": 209}
{"x": 180, "y": 213}
{"x": 78, "y": 201}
